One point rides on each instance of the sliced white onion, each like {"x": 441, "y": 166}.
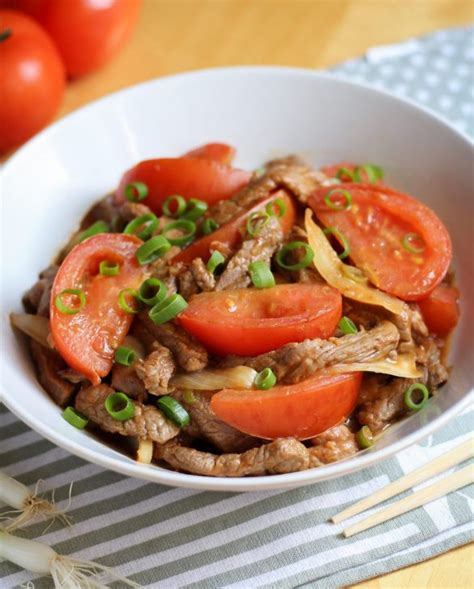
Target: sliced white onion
{"x": 238, "y": 377}
{"x": 404, "y": 366}
{"x": 145, "y": 451}
{"x": 36, "y": 326}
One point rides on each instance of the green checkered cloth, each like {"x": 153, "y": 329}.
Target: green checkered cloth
{"x": 166, "y": 538}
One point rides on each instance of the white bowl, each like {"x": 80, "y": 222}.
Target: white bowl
{"x": 264, "y": 112}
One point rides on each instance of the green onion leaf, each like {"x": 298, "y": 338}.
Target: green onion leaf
{"x": 119, "y": 406}
{"x": 143, "y": 226}
{"x": 174, "y": 205}
{"x": 344, "y": 173}
{"x": 152, "y": 249}
{"x": 289, "y": 247}
{"x": 341, "y": 238}
{"x": 209, "y": 226}
{"x": 408, "y": 396}
{"x": 347, "y": 326}
{"x": 261, "y": 275}
{"x": 94, "y": 229}
{"x": 195, "y": 209}
{"x": 371, "y": 173}
{"x": 122, "y": 300}
{"x": 216, "y": 259}
{"x": 280, "y": 204}
{"x": 75, "y": 418}
{"x": 259, "y": 172}
{"x": 107, "y": 268}
{"x": 256, "y": 222}
{"x": 364, "y": 437}
{"x": 136, "y": 191}
{"x": 168, "y": 309}
{"x": 265, "y": 379}
{"x": 125, "y": 356}
{"x": 414, "y": 243}
{"x": 185, "y": 226}
{"x": 62, "y": 308}
{"x": 174, "y": 411}
{"x": 188, "y": 397}
{"x": 338, "y": 206}
{"x": 152, "y": 291}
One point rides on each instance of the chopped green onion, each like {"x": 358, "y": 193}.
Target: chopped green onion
{"x": 174, "y": 411}
{"x": 261, "y": 275}
{"x": 107, "y": 268}
{"x": 136, "y": 191}
{"x": 122, "y": 301}
{"x": 125, "y": 356}
{"x": 94, "y": 229}
{"x": 259, "y": 172}
{"x": 209, "y": 226}
{"x": 168, "y": 309}
{"x": 75, "y": 418}
{"x": 342, "y": 238}
{"x": 336, "y": 206}
{"x": 176, "y": 202}
{"x": 256, "y": 222}
{"x": 280, "y": 204}
{"x": 143, "y": 226}
{"x": 186, "y": 226}
{"x": 216, "y": 259}
{"x": 289, "y": 247}
{"x": 364, "y": 437}
{"x": 347, "y": 326}
{"x": 372, "y": 173}
{"x": 343, "y": 173}
{"x": 265, "y": 379}
{"x": 188, "y": 397}
{"x": 62, "y": 308}
{"x": 413, "y": 243}
{"x": 119, "y": 406}
{"x": 195, "y": 209}
{"x": 152, "y": 249}
{"x": 152, "y": 291}
{"x": 416, "y": 387}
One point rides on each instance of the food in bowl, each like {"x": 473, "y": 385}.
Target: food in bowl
{"x": 227, "y": 323}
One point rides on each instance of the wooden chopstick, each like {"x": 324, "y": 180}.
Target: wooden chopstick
{"x": 454, "y": 481}
{"x": 455, "y": 456}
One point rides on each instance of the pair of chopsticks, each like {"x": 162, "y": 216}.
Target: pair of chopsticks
{"x": 454, "y": 481}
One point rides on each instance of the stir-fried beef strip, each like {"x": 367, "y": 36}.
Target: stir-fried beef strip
{"x": 296, "y": 362}
{"x": 36, "y": 299}
{"x": 205, "y": 280}
{"x": 147, "y": 423}
{"x": 49, "y": 364}
{"x": 126, "y": 380}
{"x": 332, "y": 445}
{"x": 156, "y": 369}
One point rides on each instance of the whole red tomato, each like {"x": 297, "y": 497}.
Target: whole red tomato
{"x": 88, "y": 33}
{"x": 32, "y": 78}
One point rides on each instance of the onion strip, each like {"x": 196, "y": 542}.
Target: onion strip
{"x": 36, "y": 326}
{"x": 404, "y": 367}
{"x": 238, "y": 377}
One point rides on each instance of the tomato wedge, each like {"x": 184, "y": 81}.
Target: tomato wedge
{"x": 230, "y": 234}
{"x": 218, "y": 152}
{"x": 302, "y": 410}
{"x": 333, "y": 169}
{"x": 377, "y": 226}
{"x": 441, "y": 310}
{"x": 88, "y": 339}
{"x": 191, "y": 177}
{"x": 249, "y": 321}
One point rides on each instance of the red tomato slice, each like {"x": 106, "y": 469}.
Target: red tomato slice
{"x": 219, "y": 152}
{"x": 87, "y": 340}
{"x": 302, "y": 410}
{"x": 199, "y": 178}
{"x": 230, "y": 234}
{"x": 332, "y": 170}
{"x": 375, "y": 227}
{"x": 441, "y": 310}
{"x": 249, "y": 322}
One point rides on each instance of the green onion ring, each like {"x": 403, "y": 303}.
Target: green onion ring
{"x": 256, "y": 222}
{"x": 188, "y": 397}
{"x": 342, "y": 238}
{"x": 125, "y": 356}
{"x": 62, "y": 308}
{"x": 94, "y": 229}
{"x": 265, "y": 379}
{"x": 345, "y": 206}
{"x": 136, "y": 191}
{"x": 209, "y": 226}
{"x": 168, "y": 309}
{"x": 107, "y": 268}
{"x": 174, "y": 411}
{"x": 408, "y": 396}
{"x": 119, "y": 406}
{"x": 373, "y": 173}
{"x": 180, "y": 203}
{"x": 75, "y": 418}
{"x": 152, "y": 291}
{"x": 280, "y": 204}
{"x": 364, "y": 437}
{"x": 195, "y": 209}
{"x": 343, "y": 172}
{"x": 149, "y": 222}
{"x": 261, "y": 275}
{"x": 216, "y": 259}
{"x": 408, "y": 245}
{"x": 152, "y": 249}
{"x": 303, "y": 263}
{"x": 347, "y": 326}
{"x": 127, "y": 292}
{"x": 187, "y": 226}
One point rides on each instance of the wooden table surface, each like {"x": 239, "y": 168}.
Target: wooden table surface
{"x": 179, "y": 35}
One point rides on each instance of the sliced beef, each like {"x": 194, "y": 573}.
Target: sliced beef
{"x": 296, "y": 362}
{"x": 104, "y": 210}
{"x": 131, "y": 210}
{"x": 156, "y": 370}
{"x": 49, "y": 364}
{"x": 278, "y": 457}
{"x": 147, "y": 423}
{"x": 187, "y": 285}
{"x": 37, "y": 298}
{"x": 204, "y": 279}
{"x": 332, "y": 445}
{"x": 126, "y": 380}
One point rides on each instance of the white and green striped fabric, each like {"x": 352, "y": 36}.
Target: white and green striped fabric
{"x": 167, "y": 538}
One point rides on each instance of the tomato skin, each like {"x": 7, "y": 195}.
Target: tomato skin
{"x": 375, "y": 226}
{"x": 218, "y": 152}
{"x": 248, "y": 322}
{"x": 87, "y": 33}
{"x": 440, "y": 310}
{"x": 302, "y": 410}
{"x": 87, "y": 340}
{"x": 332, "y": 170}
{"x": 230, "y": 234}
{"x": 32, "y": 81}
{"x": 199, "y": 178}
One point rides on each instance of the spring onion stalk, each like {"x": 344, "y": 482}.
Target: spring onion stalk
{"x": 195, "y": 209}
{"x": 174, "y": 205}
{"x": 152, "y": 291}
{"x": 372, "y": 173}
{"x": 189, "y": 397}
{"x": 145, "y": 451}
{"x": 119, "y": 406}
{"x": 136, "y": 191}
{"x": 174, "y": 411}
{"x": 413, "y": 243}
{"x": 289, "y": 247}
{"x": 261, "y": 275}
{"x": 404, "y": 366}
{"x": 122, "y": 300}
{"x": 67, "y": 573}
{"x": 75, "y": 418}
{"x": 35, "y": 326}
{"x": 347, "y": 326}
{"x": 124, "y": 356}
{"x": 334, "y": 204}
{"x": 341, "y": 238}
{"x": 256, "y": 222}
{"x": 343, "y": 173}
{"x": 27, "y": 505}
{"x": 152, "y": 249}
{"x": 209, "y": 226}
{"x": 168, "y": 309}
{"x": 238, "y": 377}
{"x": 74, "y": 308}
{"x": 94, "y": 229}
{"x": 413, "y": 389}
{"x": 364, "y": 437}
{"x": 265, "y": 379}
{"x": 143, "y": 226}
{"x": 107, "y": 268}
{"x": 279, "y": 204}
{"x": 136, "y": 345}
{"x": 185, "y": 227}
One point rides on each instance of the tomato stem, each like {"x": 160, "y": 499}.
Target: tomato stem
{"x": 5, "y": 34}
